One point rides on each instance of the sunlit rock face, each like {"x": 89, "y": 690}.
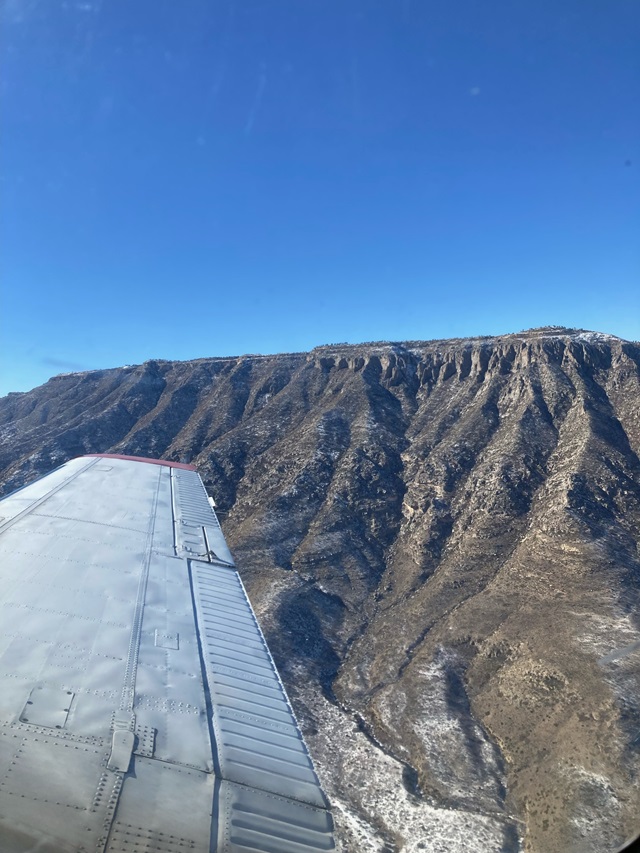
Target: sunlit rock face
{"x": 441, "y": 542}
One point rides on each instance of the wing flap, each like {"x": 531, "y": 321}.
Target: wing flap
{"x": 256, "y": 822}
{"x": 258, "y": 695}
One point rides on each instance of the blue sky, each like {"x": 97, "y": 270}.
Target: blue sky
{"x": 216, "y": 177}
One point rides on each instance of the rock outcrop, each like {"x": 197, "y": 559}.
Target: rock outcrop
{"x": 441, "y": 542}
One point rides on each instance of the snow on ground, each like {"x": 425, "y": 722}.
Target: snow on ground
{"x": 606, "y": 635}
{"x": 456, "y": 744}
{"x": 597, "y": 337}
{"x": 596, "y": 798}
{"x": 372, "y": 809}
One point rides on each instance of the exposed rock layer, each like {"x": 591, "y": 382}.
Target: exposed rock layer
{"x": 441, "y": 540}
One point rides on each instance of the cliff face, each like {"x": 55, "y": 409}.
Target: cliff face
{"x": 441, "y": 542}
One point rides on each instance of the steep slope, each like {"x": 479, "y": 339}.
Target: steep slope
{"x": 441, "y": 539}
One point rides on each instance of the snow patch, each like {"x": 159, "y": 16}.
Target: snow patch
{"x": 372, "y": 808}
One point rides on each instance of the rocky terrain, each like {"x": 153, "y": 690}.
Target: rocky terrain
{"x": 441, "y": 541}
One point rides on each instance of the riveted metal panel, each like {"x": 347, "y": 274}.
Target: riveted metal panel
{"x": 27, "y": 498}
{"x": 177, "y": 817}
{"x": 47, "y": 706}
{"x": 167, "y": 640}
{"x": 145, "y": 741}
{"x": 49, "y": 786}
{"x": 169, "y": 694}
{"x": 72, "y": 603}
{"x": 98, "y": 633}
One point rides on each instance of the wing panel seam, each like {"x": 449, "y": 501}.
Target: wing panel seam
{"x": 39, "y": 501}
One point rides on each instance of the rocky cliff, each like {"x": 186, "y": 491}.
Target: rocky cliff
{"x": 441, "y": 541}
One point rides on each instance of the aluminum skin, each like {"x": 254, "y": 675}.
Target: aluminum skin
{"x": 140, "y": 708}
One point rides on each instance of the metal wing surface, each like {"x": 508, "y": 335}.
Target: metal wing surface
{"x": 140, "y": 709}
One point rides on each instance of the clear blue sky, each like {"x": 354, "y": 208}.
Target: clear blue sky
{"x": 214, "y": 177}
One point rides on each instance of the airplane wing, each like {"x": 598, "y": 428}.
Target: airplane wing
{"x": 140, "y": 709}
